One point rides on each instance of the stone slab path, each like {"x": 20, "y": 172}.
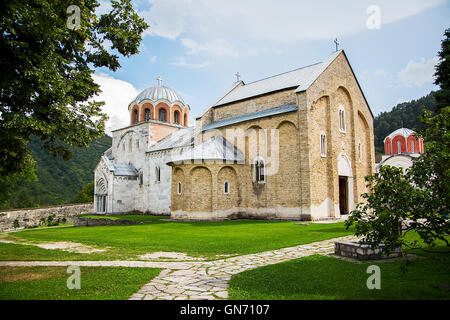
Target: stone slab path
{"x": 198, "y": 280}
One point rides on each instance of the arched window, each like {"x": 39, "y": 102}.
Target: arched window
{"x": 147, "y": 114}
{"x": 179, "y": 188}
{"x": 260, "y": 173}
{"x": 162, "y": 115}
{"x": 176, "y": 116}
{"x": 136, "y": 119}
{"x": 226, "y": 187}
{"x": 158, "y": 174}
{"x": 141, "y": 178}
{"x": 323, "y": 145}
{"x": 412, "y": 145}
{"x": 399, "y": 147}
{"x": 341, "y": 119}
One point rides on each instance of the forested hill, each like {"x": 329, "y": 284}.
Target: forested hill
{"x": 407, "y": 113}
{"x": 58, "y": 181}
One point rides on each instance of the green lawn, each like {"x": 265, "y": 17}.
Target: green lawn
{"x": 321, "y": 277}
{"x": 49, "y": 283}
{"x": 206, "y": 239}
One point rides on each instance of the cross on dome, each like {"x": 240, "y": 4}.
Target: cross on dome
{"x": 159, "y": 81}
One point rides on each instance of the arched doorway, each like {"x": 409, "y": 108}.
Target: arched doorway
{"x": 101, "y": 194}
{"x": 345, "y": 178}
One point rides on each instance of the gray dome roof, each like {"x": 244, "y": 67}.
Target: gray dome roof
{"x": 156, "y": 93}
{"x": 402, "y": 131}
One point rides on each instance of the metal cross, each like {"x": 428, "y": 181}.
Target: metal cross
{"x": 238, "y": 76}
{"x": 159, "y": 81}
{"x": 337, "y": 44}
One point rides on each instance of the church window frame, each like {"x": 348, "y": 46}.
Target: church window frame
{"x": 147, "y": 114}
{"x": 176, "y": 117}
{"x": 226, "y": 187}
{"x": 342, "y": 127}
{"x": 399, "y": 147}
{"x": 412, "y": 146}
{"x": 179, "y": 188}
{"x": 158, "y": 174}
{"x": 323, "y": 145}
{"x": 259, "y": 170}
{"x": 162, "y": 115}
{"x": 136, "y": 116}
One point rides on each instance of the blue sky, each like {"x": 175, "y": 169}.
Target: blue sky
{"x": 197, "y": 46}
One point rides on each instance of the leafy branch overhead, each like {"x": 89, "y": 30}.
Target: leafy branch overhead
{"x": 46, "y": 88}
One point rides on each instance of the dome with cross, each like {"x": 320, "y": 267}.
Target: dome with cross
{"x": 159, "y": 92}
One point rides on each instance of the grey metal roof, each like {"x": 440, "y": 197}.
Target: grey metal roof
{"x": 122, "y": 169}
{"x": 250, "y": 116}
{"x": 300, "y": 79}
{"x": 178, "y": 138}
{"x": 156, "y": 93}
{"x": 217, "y": 148}
{"x": 402, "y": 131}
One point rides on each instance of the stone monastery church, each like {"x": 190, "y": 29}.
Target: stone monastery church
{"x": 291, "y": 146}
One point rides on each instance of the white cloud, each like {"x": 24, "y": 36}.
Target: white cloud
{"x": 381, "y": 73}
{"x": 286, "y": 21}
{"x": 117, "y": 95}
{"x": 152, "y": 59}
{"x": 418, "y": 73}
{"x": 218, "y": 47}
{"x": 181, "y": 62}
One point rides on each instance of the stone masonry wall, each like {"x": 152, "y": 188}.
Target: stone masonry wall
{"x": 30, "y": 217}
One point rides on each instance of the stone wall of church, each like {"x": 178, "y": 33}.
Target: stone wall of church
{"x": 203, "y": 192}
{"x": 335, "y": 89}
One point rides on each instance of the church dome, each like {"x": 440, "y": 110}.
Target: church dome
{"x": 159, "y": 92}
{"x": 405, "y": 132}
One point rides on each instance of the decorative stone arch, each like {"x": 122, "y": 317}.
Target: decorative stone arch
{"x": 177, "y": 108}
{"x": 134, "y": 114}
{"x": 147, "y": 106}
{"x": 101, "y": 195}
{"x": 387, "y": 146}
{"x": 163, "y": 106}
{"x": 345, "y": 176}
{"x": 398, "y": 141}
{"x": 367, "y": 146}
{"x": 349, "y": 115}
{"x": 409, "y": 144}
{"x": 286, "y": 166}
{"x": 225, "y": 201}
{"x": 252, "y": 143}
{"x": 178, "y": 200}
{"x": 201, "y": 197}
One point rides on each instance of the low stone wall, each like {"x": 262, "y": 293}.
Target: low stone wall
{"x": 30, "y": 217}
{"x": 355, "y": 250}
{"x": 84, "y": 222}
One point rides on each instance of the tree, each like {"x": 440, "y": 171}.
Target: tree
{"x": 86, "y": 194}
{"x": 413, "y": 201}
{"x": 442, "y": 74}
{"x": 49, "y": 51}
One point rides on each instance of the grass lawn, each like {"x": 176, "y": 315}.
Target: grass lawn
{"x": 206, "y": 239}
{"x": 49, "y": 283}
{"x": 321, "y": 277}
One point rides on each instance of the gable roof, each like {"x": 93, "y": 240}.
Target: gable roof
{"x": 217, "y": 148}
{"x": 179, "y": 138}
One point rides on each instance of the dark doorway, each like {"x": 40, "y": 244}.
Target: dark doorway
{"x": 343, "y": 195}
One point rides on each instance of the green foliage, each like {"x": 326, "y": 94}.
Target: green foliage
{"x": 442, "y": 74}
{"x": 404, "y": 114}
{"x": 46, "y": 85}
{"x": 86, "y": 194}
{"x": 57, "y": 180}
{"x": 413, "y": 201}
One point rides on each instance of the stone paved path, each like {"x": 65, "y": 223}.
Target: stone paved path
{"x": 197, "y": 280}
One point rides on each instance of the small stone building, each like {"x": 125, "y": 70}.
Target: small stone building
{"x": 292, "y": 146}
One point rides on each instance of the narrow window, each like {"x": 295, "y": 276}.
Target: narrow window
{"x": 323, "y": 145}
{"x": 135, "y": 116}
{"x": 342, "y": 120}
{"x": 137, "y": 143}
{"x": 179, "y": 188}
{"x": 359, "y": 151}
{"x": 412, "y": 145}
{"x": 141, "y": 179}
{"x": 177, "y": 117}
{"x": 226, "y": 187}
{"x": 158, "y": 174}
{"x": 399, "y": 147}
{"x": 162, "y": 114}
{"x": 130, "y": 145}
{"x": 147, "y": 114}
{"x": 259, "y": 171}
